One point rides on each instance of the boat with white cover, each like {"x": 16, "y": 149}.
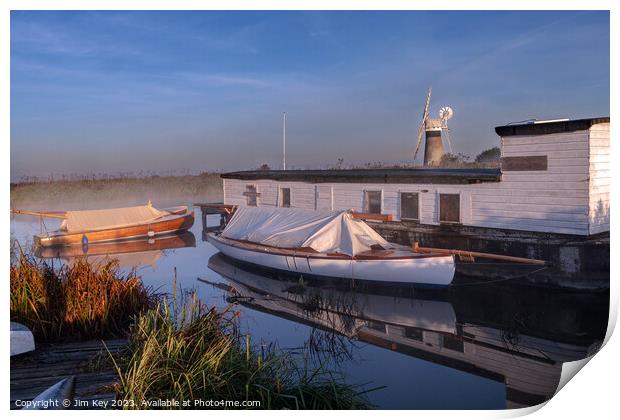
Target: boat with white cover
{"x": 326, "y": 244}
{"x": 105, "y": 225}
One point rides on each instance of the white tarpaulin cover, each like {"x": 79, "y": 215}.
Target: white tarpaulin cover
{"x": 110, "y": 218}
{"x": 334, "y": 231}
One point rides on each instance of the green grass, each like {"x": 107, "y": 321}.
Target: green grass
{"x": 75, "y": 302}
{"x": 189, "y": 352}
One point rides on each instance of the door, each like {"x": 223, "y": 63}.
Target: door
{"x": 323, "y": 198}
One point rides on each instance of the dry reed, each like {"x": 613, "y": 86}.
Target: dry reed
{"x": 75, "y": 302}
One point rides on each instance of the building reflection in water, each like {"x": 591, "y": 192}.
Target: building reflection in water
{"x": 520, "y": 337}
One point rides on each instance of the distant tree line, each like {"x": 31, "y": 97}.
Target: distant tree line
{"x": 490, "y": 155}
{"x": 486, "y": 159}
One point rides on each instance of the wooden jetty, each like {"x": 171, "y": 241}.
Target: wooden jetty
{"x": 225, "y": 212}
{"x": 89, "y": 362}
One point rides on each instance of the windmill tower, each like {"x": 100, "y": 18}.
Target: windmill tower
{"x": 433, "y": 129}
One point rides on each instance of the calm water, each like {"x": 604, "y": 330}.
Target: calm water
{"x": 469, "y": 347}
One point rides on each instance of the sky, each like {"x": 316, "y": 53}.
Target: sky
{"x": 104, "y": 92}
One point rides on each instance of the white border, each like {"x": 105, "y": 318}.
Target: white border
{"x": 591, "y": 395}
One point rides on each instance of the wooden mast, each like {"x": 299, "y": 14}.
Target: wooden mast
{"x": 56, "y": 215}
{"x": 470, "y": 255}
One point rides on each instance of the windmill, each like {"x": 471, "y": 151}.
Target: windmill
{"x": 424, "y": 117}
{"x": 433, "y": 127}
{"x": 445, "y": 113}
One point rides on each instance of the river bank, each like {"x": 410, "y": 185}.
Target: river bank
{"x": 77, "y": 194}
{"x": 175, "y": 345}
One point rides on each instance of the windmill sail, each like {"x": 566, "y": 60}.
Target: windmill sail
{"x": 423, "y": 123}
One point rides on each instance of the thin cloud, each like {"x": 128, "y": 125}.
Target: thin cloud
{"x": 353, "y": 84}
{"x": 530, "y": 37}
{"x": 49, "y": 39}
{"x": 223, "y": 80}
{"x": 240, "y": 40}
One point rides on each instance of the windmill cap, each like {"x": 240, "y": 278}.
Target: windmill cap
{"x": 432, "y": 124}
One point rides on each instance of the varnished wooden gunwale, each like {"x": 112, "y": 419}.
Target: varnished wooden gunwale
{"x": 265, "y": 249}
{"x": 176, "y": 224}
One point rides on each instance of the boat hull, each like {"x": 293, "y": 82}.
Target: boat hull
{"x": 178, "y": 223}
{"x": 433, "y": 270}
{"x": 22, "y": 340}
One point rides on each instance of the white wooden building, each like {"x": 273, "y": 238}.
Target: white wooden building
{"x": 554, "y": 177}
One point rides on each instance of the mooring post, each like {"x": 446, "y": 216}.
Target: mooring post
{"x": 203, "y": 212}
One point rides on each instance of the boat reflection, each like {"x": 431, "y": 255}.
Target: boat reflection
{"x": 129, "y": 253}
{"x": 519, "y": 338}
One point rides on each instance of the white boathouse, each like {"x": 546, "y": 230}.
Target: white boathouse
{"x": 554, "y": 177}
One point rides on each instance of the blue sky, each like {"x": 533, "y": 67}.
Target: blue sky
{"x": 106, "y": 92}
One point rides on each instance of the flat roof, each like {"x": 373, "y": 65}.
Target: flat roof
{"x": 377, "y": 176}
{"x": 548, "y": 127}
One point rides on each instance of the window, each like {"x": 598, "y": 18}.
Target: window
{"x": 414, "y": 333}
{"x": 377, "y": 326}
{"x": 449, "y": 208}
{"x": 453, "y": 343}
{"x": 251, "y": 195}
{"x": 524, "y": 163}
{"x": 372, "y": 202}
{"x": 409, "y": 206}
{"x": 285, "y": 197}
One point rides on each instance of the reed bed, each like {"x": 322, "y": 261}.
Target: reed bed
{"x": 178, "y": 350}
{"x": 75, "y": 302}
{"x": 194, "y": 353}
{"x": 85, "y": 193}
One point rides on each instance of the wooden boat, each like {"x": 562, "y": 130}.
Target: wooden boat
{"x": 252, "y": 284}
{"x": 22, "y": 340}
{"x": 326, "y": 245}
{"x": 397, "y": 265}
{"x": 59, "y": 396}
{"x": 117, "y": 224}
{"x": 465, "y": 329}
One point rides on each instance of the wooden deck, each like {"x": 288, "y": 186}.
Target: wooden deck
{"x": 222, "y": 209}
{"x": 89, "y": 362}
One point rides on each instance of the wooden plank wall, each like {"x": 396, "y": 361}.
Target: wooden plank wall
{"x": 570, "y": 197}
{"x": 554, "y": 200}
{"x": 600, "y": 178}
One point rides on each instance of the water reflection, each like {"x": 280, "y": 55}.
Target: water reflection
{"x": 467, "y": 347}
{"x": 518, "y": 337}
{"x": 129, "y": 253}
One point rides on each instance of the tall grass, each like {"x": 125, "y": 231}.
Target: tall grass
{"x": 192, "y": 352}
{"x": 75, "y": 302}
{"x": 75, "y": 194}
